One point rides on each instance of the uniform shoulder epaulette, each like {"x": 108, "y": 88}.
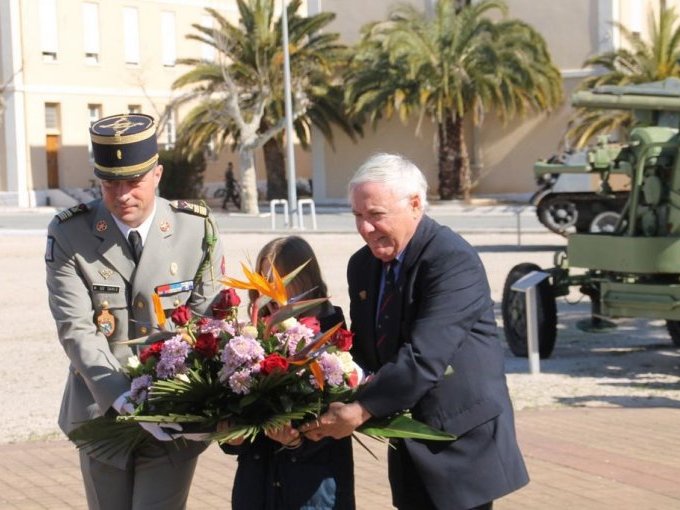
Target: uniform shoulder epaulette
{"x": 69, "y": 213}
{"x": 189, "y": 207}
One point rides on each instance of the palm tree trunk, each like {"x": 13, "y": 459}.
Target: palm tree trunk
{"x": 462, "y": 162}
{"x": 246, "y": 159}
{"x": 454, "y": 164}
{"x": 275, "y": 166}
{"x": 446, "y": 158}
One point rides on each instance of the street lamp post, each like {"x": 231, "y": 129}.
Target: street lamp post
{"x": 290, "y": 154}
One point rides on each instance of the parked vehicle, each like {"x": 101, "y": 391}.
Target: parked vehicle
{"x": 631, "y": 269}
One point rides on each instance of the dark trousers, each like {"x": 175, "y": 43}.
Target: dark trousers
{"x": 413, "y": 494}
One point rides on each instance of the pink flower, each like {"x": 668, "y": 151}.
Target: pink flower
{"x": 312, "y": 323}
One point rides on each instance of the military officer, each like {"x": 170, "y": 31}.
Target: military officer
{"x": 105, "y": 260}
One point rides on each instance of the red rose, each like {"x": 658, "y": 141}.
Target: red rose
{"x": 181, "y": 315}
{"x": 206, "y": 345}
{"x": 228, "y": 299}
{"x": 273, "y": 363}
{"x": 342, "y": 339}
{"x": 153, "y": 351}
{"x": 311, "y": 322}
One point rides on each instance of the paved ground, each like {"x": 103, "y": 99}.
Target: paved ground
{"x": 598, "y": 427}
{"x": 586, "y": 459}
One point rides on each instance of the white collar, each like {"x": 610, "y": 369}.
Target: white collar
{"x": 143, "y": 229}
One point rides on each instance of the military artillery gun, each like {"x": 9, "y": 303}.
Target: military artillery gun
{"x": 633, "y": 269}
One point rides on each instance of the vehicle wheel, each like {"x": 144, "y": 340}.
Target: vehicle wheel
{"x": 559, "y": 215}
{"x": 604, "y": 222}
{"x": 514, "y": 314}
{"x": 673, "y": 328}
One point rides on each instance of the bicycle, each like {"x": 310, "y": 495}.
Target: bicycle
{"x": 231, "y": 193}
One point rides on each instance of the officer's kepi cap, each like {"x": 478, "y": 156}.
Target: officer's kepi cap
{"x": 124, "y": 146}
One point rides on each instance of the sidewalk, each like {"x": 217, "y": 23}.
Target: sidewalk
{"x": 578, "y": 458}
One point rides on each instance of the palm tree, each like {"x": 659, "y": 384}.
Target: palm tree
{"x": 240, "y": 94}
{"x": 637, "y": 62}
{"x": 456, "y": 64}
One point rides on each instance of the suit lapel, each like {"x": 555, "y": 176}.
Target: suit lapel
{"x": 113, "y": 248}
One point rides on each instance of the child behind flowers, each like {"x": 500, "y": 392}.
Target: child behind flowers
{"x": 284, "y": 471}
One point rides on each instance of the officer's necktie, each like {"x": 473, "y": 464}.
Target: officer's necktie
{"x": 135, "y": 241}
{"x": 388, "y": 316}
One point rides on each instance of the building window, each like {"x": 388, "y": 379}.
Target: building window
{"x": 47, "y": 11}
{"x": 94, "y": 113}
{"x": 168, "y": 38}
{"x": 52, "y": 118}
{"x": 134, "y": 108}
{"x": 207, "y": 51}
{"x": 91, "y": 32}
{"x": 131, "y": 35}
{"x": 170, "y": 131}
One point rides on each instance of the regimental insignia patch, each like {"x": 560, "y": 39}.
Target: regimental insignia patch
{"x": 191, "y": 208}
{"x": 69, "y": 213}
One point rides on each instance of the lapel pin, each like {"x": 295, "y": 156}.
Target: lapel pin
{"x": 106, "y": 273}
{"x": 362, "y": 295}
{"x": 173, "y": 268}
{"x": 102, "y": 226}
{"x": 165, "y": 226}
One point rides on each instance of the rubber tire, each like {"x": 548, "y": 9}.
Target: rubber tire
{"x": 673, "y": 328}
{"x": 513, "y": 308}
{"x": 559, "y": 225}
{"x": 604, "y": 219}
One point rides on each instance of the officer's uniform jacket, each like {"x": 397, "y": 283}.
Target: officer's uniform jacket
{"x": 98, "y": 296}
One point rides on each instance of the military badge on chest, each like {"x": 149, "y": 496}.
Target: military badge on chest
{"x": 106, "y": 323}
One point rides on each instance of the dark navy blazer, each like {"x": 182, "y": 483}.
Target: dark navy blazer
{"x": 446, "y": 365}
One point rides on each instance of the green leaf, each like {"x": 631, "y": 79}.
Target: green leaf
{"x": 404, "y": 427}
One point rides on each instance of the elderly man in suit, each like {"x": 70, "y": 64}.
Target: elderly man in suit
{"x": 105, "y": 260}
{"x": 425, "y": 330}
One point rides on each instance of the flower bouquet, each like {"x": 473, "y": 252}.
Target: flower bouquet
{"x": 252, "y": 376}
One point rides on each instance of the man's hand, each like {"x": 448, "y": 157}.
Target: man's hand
{"x": 341, "y": 420}
{"x": 160, "y": 431}
{"x": 123, "y": 406}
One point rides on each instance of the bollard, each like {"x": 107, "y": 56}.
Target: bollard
{"x": 272, "y": 208}
{"x": 518, "y": 212}
{"x": 527, "y": 284}
{"x": 312, "y": 210}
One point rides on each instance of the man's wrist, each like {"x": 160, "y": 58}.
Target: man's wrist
{"x": 363, "y": 414}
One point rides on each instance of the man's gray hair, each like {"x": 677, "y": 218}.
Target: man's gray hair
{"x": 400, "y": 174}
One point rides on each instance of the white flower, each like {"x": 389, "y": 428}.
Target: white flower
{"x": 289, "y": 323}
{"x": 250, "y": 331}
{"x": 133, "y": 362}
{"x": 346, "y": 361}
{"x": 182, "y": 377}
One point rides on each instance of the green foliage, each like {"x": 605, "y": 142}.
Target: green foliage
{"x": 460, "y": 62}
{"x": 182, "y": 175}
{"x": 246, "y": 79}
{"x": 638, "y": 61}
